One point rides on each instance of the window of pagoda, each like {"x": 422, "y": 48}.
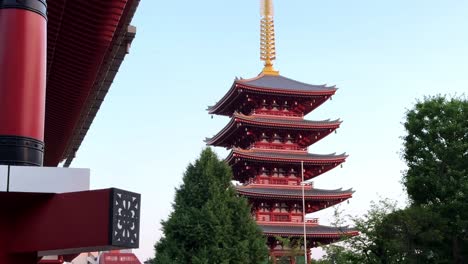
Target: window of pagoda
{"x": 277, "y": 139}
{"x": 289, "y": 139}
{"x": 264, "y": 105}
{"x": 285, "y": 107}
{"x": 264, "y": 207}
{"x": 296, "y": 213}
{"x": 263, "y": 212}
{"x": 282, "y": 107}
{"x": 292, "y": 173}
{"x": 292, "y": 178}
{"x": 280, "y": 176}
{"x": 280, "y": 212}
{"x": 281, "y": 173}
{"x": 274, "y": 106}
{"x": 275, "y": 173}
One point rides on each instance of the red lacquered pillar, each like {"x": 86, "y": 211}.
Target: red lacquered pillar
{"x": 23, "y": 47}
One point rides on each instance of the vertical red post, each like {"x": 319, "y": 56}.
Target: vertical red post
{"x": 23, "y": 47}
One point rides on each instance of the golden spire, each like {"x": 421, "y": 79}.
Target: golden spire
{"x": 267, "y": 37}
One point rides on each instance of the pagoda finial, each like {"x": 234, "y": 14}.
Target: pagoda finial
{"x": 267, "y": 37}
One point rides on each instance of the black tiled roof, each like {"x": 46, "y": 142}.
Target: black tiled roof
{"x": 318, "y": 230}
{"x": 282, "y": 155}
{"x": 289, "y": 124}
{"x": 285, "y": 121}
{"x": 246, "y": 190}
{"x": 283, "y": 83}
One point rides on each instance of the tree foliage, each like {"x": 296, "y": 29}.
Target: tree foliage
{"x": 390, "y": 235}
{"x": 369, "y": 246}
{"x": 433, "y": 228}
{"x": 209, "y": 223}
{"x": 436, "y": 152}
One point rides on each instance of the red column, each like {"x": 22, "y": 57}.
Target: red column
{"x": 23, "y": 47}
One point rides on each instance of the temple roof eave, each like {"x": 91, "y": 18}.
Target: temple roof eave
{"x": 276, "y": 156}
{"x": 294, "y": 198}
{"x": 317, "y": 231}
{"x": 280, "y": 83}
{"x": 253, "y": 85}
{"x": 293, "y": 192}
{"x": 291, "y": 124}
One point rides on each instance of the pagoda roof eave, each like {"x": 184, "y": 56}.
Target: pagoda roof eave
{"x": 278, "y": 191}
{"x": 279, "y": 83}
{"x": 268, "y": 87}
{"x": 290, "y": 124}
{"x": 278, "y": 156}
{"x": 315, "y": 231}
{"x": 286, "y": 92}
{"x": 229, "y": 96}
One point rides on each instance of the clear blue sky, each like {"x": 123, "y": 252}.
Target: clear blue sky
{"x": 381, "y": 54}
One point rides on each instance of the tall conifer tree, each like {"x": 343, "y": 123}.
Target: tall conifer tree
{"x": 209, "y": 223}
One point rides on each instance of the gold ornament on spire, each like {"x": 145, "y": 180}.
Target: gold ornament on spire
{"x": 267, "y": 37}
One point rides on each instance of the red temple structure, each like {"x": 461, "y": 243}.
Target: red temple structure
{"x": 118, "y": 257}
{"x": 58, "y": 59}
{"x": 269, "y": 137}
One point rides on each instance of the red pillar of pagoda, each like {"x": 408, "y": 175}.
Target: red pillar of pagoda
{"x": 23, "y": 34}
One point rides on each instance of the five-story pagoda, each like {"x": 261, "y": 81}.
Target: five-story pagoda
{"x": 269, "y": 138}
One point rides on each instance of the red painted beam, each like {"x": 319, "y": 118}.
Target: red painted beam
{"x": 59, "y": 224}
{"x": 65, "y": 222}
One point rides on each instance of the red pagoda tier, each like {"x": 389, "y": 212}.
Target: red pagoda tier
{"x": 279, "y": 166}
{"x": 268, "y": 137}
{"x": 245, "y": 130}
{"x": 273, "y": 95}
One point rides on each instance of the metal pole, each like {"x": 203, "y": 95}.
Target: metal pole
{"x": 303, "y": 212}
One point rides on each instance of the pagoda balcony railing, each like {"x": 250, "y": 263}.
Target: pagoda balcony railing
{"x": 278, "y": 146}
{"x": 281, "y": 218}
{"x": 292, "y": 181}
{"x": 276, "y": 112}
{"x": 279, "y": 181}
{"x": 309, "y": 222}
{"x": 312, "y": 220}
{"x": 289, "y": 217}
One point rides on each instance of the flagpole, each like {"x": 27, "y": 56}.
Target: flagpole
{"x": 303, "y": 212}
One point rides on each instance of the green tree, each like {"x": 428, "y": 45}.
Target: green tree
{"x": 390, "y": 235}
{"x": 209, "y": 222}
{"x": 433, "y": 228}
{"x": 436, "y": 152}
{"x": 369, "y": 247}
{"x": 413, "y": 235}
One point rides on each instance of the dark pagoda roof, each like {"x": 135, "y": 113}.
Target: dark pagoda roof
{"x": 267, "y": 84}
{"x": 280, "y": 121}
{"x": 264, "y": 121}
{"x": 274, "y": 156}
{"x": 278, "y": 82}
{"x": 293, "y": 192}
{"x": 312, "y": 231}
